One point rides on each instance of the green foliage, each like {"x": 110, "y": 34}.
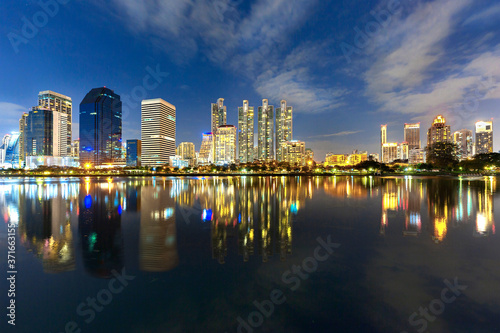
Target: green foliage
{"x": 444, "y": 155}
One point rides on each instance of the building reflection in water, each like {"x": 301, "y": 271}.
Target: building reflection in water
{"x": 99, "y": 225}
{"x": 45, "y": 223}
{"x": 485, "y": 223}
{"x": 158, "y": 240}
{"x": 256, "y": 211}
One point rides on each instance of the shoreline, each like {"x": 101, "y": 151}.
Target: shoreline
{"x": 310, "y": 174}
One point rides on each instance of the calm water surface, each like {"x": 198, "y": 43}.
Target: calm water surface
{"x": 212, "y": 254}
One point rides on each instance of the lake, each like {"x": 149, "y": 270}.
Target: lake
{"x": 252, "y": 254}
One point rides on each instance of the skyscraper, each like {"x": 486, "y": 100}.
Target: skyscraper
{"x": 225, "y": 145}
{"x": 439, "y": 131}
{"x": 22, "y": 136}
{"x": 383, "y": 140}
{"x": 245, "y": 132}
{"x": 60, "y": 103}
{"x": 45, "y": 133}
{"x": 265, "y": 131}
{"x": 134, "y": 153}
{"x": 284, "y": 127}
{"x": 294, "y": 152}
{"x": 412, "y": 135}
{"x": 158, "y": 128}
{"x": 219, "y": 115}
{"x": 484, "y": 137}
{"x": 207, "y": 149}
{"x": 463, "y": 139}
{"x": 100, "y": 127}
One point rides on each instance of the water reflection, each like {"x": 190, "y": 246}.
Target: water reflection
{"x": 252, "y": 215}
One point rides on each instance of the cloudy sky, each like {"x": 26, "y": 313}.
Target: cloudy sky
{"x": 345, "y": 66}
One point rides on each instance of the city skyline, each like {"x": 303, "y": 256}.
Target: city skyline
{"x": 338, "y": 86}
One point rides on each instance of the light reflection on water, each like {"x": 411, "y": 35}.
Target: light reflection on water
{"x": 73, "y": 225}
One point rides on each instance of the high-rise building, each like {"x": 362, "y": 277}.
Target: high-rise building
{"x": 60, "y": 103}
{"x": 225, "y": 145}
{"x": 484, "y": 137}
{"x": 134, "y": 153}
{"x": 412, "y": 135}
{"x": 45, "y": 133}
{"x": 245, "y": 132}
{"x": 100, "y": 127}
{"x": 207, "y": 149}
{"x": 389, "y": 152}
{"x": 158, "y": 128}
{"x": 309, "y": 155}
{"x": 9, "y": 151}
{"x": 439, "y": 131}
{"x": 284, "y": 127}
{"x": 22, "y": 135}
{"x": 464, "y": 141}
{"x": 265, "y": 131}
{"x": 186, "y": 151}
{"x": 416, "y": 156}
{"x": 219, "y": 115}
{"x": 293, "y": 152}
{"x": 383, "y": 139}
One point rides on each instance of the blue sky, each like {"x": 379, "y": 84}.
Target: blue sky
{"x": 345, "y": 66}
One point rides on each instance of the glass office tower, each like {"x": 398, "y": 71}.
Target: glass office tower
{"x": 100, "y": 127}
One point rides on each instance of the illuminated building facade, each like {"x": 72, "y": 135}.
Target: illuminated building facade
{"x": 403, "y": 151}
{"x": 416, "y": 156}
{"x": 465, "y": 143}
{"x": 158, "y": 130}
{"x": 207, "y": 149}
{"x": 293, "y": 152}
{"x": 75, "y": 148}
{"x": 60, "y": 103}
{"x": 22, "y": 140}
{"x": 309, "y": 155}
{"x": 245, "y": 132}
{"x": 219, "y": 115}
{"x": 383, "y": 139}
{"x": 412, "y": 135}
{"x": 186, "y": 151}
{"x": 389, "y": 152}
{"x": 134, "y": 153}
{"x": 439, "y": 131}
{"x": 284, "y": 128}
{"x": 266, "y": 132}
{"x": 484, "y": 137}
{"x": 225, "y": 145}
{"x": 100, "y": 127}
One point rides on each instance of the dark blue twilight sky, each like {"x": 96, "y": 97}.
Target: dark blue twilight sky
{"x": 425, "y": 58}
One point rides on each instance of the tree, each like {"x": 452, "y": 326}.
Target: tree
{"x": 443, "y": 155}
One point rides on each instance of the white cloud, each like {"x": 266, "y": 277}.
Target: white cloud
{"x": 343, "y": 133}
{"x": 11, "y": 113}
{"x": 492, "y": 12}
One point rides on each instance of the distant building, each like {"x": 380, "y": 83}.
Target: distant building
{"x": 357, "y": 158}
{"x": 245, "y": 132}
{"x": 60, "y": 103}
{"x": 336, "y": 159}
{"x": 464, "y": 140}
{"x": 389, "y": 152}
{"x": 293, "y": 152}
{"x": 100, "y": 127}
{"x": 75, "y": 149}
{"x": 484, "y": 137}
{"x": 177, "y": 161}
{"x": 219, "y": 115}
{"x": 383, "y": 139}
{"x": 9, "y": 151}
{"x": 374, "y": 157}
{"x": 309, "y": 155}
{"x": 45, "y": 139}
{"x": 439, "y": 131}
{"x": 225, "y": 145}
{"x": 403, "y": 151}
{"x": 22, "y": 140}
{"x": 416, "y": 156}
{"x": 284, "y": 127}
{"x": 187, "y": 152}
{"x": 266, "y": 132}
{"x": 207, "y": 149}
{"x": 134, "y": 152}
{"x": 158, "y": 128}
{"x": 412, "y": 135}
